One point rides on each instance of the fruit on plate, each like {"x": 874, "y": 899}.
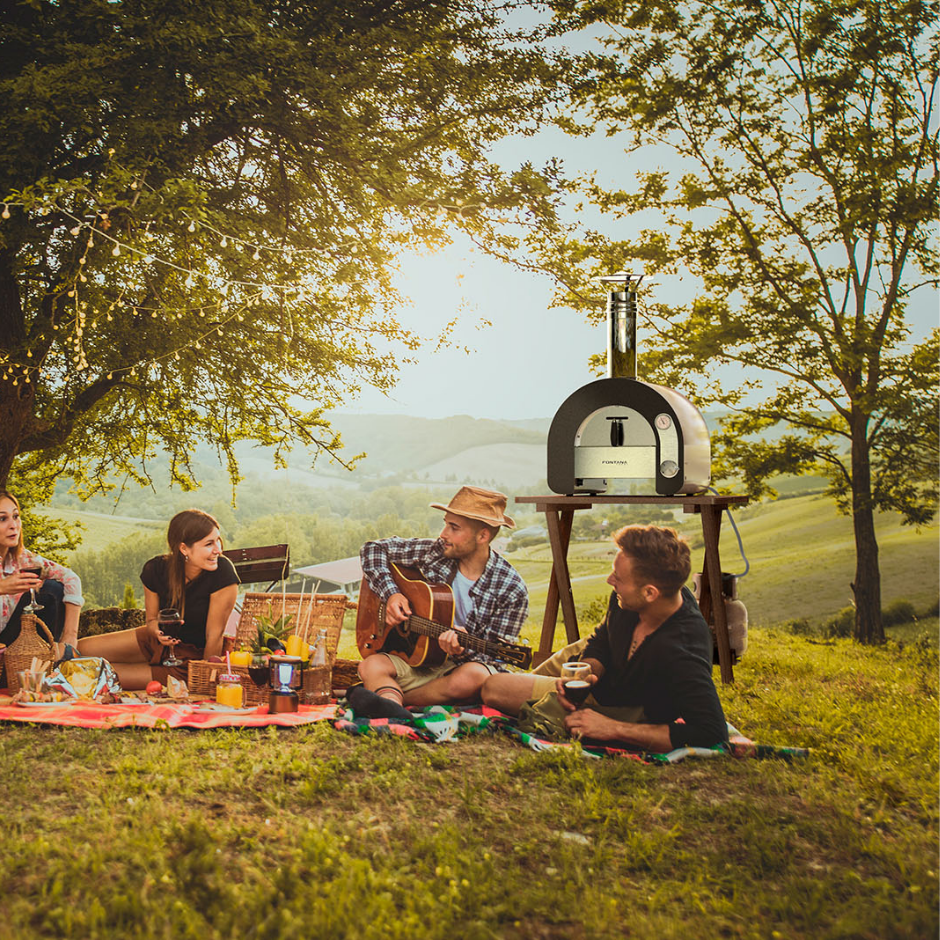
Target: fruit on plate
{"x": 153, "y": 687}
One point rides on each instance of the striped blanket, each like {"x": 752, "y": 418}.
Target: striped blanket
{"x": 440, "y": 723}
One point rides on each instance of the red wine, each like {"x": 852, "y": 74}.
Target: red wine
{"x": 577, "y": 690}
{"x": 259, "y": 674}
{"x": 170, "y": 623}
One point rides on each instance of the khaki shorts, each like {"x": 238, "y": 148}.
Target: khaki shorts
{"x": 409, "y": 677}
{"x": 544, "y": 675}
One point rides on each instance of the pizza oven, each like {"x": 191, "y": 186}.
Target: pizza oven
{"x": 622, "y": 436}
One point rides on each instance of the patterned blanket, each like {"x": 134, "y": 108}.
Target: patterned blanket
{"x": 90, "y": 715}
{"x": 440, "y": 723}
{"x": 436, "y": 724}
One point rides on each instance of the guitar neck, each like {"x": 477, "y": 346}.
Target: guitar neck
{"x": 432, "y": 628}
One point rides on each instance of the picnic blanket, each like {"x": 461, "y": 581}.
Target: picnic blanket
{"x": 436, "y": 724}
{"x": 92, "y": 715}
{"x": 439, "y": 724}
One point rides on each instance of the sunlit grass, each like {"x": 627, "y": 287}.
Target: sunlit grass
{"x": 308, "y": 832}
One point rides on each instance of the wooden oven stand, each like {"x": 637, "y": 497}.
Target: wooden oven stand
{"x": 559, "y": 514}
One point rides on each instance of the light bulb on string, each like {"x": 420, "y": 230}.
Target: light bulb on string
{"x": 76, "y": 231}
{"x": 191, "y": 227}
{"x": 6, "y": 211}
{"x": 116, "y": 251}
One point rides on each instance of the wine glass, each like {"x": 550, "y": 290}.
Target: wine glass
{"x": 33, "y": 606}
{"x": 259, "y": 670}
{"x": 170, "y": 623}
{"x": 575, "y": 677}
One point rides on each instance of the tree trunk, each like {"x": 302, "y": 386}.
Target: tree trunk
{"x": 867, "y": 584}
{"x": 16, "y": 417}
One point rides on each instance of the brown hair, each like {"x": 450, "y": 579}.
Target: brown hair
{"x": 17, "y": 549}
{"x": 660, "y": 556}
{"x": 477, "y": 524}
{"x": 185, "y": 527}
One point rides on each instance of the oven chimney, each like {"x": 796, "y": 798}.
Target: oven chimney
{"x": 621, "y": 324}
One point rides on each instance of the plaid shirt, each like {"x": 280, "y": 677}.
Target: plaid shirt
{"x": 500, "y": 598}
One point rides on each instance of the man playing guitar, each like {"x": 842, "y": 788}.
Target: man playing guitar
{"x": 490, "y": 601}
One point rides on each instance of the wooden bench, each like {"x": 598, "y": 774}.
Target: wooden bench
{"x": 259, "y": 564}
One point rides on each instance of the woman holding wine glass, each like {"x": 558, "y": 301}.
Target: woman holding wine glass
{"x": 31, "y": 583}
{"x": 189, "y": 594}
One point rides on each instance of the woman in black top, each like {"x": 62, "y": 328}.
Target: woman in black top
{"x": 195, "y": 578}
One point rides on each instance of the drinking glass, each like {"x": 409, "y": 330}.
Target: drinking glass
{"x": 575, "y": 670}
{"x": 170, "y": 623}
{"x": 575, "y": 677}
{"x": 33, "y": 606}
{"x": 259, "y": 671}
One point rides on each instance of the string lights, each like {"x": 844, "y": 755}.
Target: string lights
{"x": 252, "y": 292}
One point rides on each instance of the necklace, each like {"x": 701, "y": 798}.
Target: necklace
{"x": 635, "y": 644}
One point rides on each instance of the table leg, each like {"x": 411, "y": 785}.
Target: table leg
{"x": 559, "y": 534}
{"x": 559, "y": 582}
{"x": 711, "y": 528}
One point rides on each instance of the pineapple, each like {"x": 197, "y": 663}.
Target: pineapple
{"x": 267, "y": 629}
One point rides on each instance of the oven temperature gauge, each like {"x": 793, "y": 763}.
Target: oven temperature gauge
{"x": 663, "y": 422}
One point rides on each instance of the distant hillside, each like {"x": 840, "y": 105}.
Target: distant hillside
{"x": 508, "y": 465}
{"x": 402, "y": 444}
{"x": 400, "y": 449}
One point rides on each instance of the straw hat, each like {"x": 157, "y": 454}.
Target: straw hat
{"x": 472, "y": 502}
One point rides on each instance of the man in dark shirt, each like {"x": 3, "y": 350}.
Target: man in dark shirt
{"x": 650, "y": 658}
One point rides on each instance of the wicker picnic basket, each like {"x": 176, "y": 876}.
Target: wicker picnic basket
{"x": 203, "y": 676}
{"x": 29, "y": 645}
{"x": 309, "y": 614}
{"x": 345, "y": 674}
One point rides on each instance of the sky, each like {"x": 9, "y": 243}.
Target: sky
{"x": 532, "y": 356}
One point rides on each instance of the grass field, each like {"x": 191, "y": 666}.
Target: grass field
{"x": 280, "y": 834}
{"x": 101, "y": 530}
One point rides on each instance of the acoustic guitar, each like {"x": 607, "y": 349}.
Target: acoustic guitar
{"x": 432, "y": 613}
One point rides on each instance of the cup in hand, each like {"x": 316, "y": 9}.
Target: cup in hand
{"x": 574, "y": 670}
{"x": 576, "y": 679}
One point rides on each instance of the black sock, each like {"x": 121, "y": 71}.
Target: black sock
{"x": 366, "y": 704}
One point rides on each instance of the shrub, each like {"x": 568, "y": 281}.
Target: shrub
{"x": 898, "y": 612}
{"x": 592, "y": 613}
{"x": 842, "y": 624}
{"x": 799, "y": 627}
